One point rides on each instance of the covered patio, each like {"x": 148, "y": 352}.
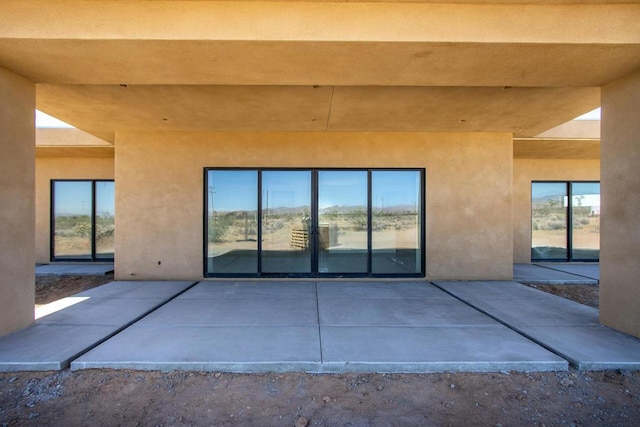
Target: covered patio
{"x": 320, "y": 326}
{"x": 173, "y": 88}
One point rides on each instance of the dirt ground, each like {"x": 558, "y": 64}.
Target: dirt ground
{"x": 133, "y": 398}
{"x": 584, "y": 294}
{"x": 52, "y": 288}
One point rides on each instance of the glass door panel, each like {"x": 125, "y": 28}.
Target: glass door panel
{"x": 342, "y": 222}
{"x": 72, "y": 212}
{"x": 232, "y": 221}
{"x": 286, "y": 222}
{"x": 105, "y": 219}
{"x": 549, "y": 220}
{"x": 396, "y": 222}
{"x": 585, "y": 210}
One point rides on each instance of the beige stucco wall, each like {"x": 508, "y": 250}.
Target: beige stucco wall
{"x": 527, "y": 170}
{"x": 620, "y": 226}
{"x": 17, "y": 200}
{"x": 159, "y": 202}
{"x": 48, "y": 168}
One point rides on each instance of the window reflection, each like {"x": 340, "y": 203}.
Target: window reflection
{"x": 72, "y": 220}
{"x": 342, "y": 222}
{"x": 396, "y": 222}
{"x": 314, "y": 222}
{"x": 585, "y": 212}
{"x": 556, "y": 204}
{"x": 232, "y": 226}
{"x": 549, "y": 220}
{"x": 286, "y": 222}
{"x": 105, "y": 219}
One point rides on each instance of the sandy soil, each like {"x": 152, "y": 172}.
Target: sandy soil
{"x": 107, "y": 397}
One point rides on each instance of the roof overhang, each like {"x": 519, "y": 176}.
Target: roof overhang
{"x": 110, "y": 66}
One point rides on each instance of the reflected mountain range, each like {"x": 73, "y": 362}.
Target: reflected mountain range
{"x": 339, "y": 210}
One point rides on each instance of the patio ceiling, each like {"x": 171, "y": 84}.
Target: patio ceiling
{"x": 110, "y": 66}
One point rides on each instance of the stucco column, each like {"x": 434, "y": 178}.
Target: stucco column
{"x": 17, "y": 201}
{"x": 620, "y": 188}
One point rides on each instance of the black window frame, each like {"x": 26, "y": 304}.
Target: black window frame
{"x": 569, "y": 225}
{"x": 52, "y": 220}
{"x": 315, "y": 274}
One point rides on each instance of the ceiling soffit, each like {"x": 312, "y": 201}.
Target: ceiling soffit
{"x": 578, "y": 149}
{"x": 100, "y": 109}
{"x": 111, "y": 66}
{"x": 322, "y": 63}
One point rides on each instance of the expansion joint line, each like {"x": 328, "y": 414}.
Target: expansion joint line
{"x": 513, "y": 328}
{"x": 319, "y": 328}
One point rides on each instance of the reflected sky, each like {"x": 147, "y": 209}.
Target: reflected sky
{"x": 74, "y": 197}
{"x": 233, "y": 190}
{"x": 342, "y": 188}
{"x": 545, "y": 190}
{"x": 579, "y": 188}
{"x": 236, "y": 190}
{"x": 541, "y": 190}
{"x": 286, "y": 189}
{"x": 395, "y": 188}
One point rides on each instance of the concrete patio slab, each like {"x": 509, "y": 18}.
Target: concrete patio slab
{"x": 537, "y": 274}
{"x": 102, "y": 311}
{"x": 590, "y": 270}
{"x": 359, "y": 326}
{"x": 375, "y": 290}
{"x": 228, "y": 349}
{"x": 56, "y": 339}
{"x": 567, "y": 328}
{"x": 132, "y": 289}
{"x": 227, "y": 326}
{"x": 280, "y": 326}
{"x": 590, "y": 347}
{"x": 79, "y": 269}
{"x": 237, "y": 312}
{"x": 44, "y": 347}
{"x": 398, "y": 312}
{"x": 521, "y": 305}
{"x": 251, "y": 290}
{"x": 432, "y": 349}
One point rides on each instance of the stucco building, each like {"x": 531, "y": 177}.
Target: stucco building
{"x": 319, "y": 139}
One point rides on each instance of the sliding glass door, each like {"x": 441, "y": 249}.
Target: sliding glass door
{"x": 232, "y": 222}
{"x": 82, "y": 220}
{"x": 585, "y": 221}
{"x": 565, "y": 221}
{"x": 286, "y": 222}
{"x": 396, "y": 222}
{"x": 311, "y": 223}
{"x": 343, "y": 222}
{"x": 549, "y": 216}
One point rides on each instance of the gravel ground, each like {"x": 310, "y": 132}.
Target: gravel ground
{"x": 107, "y": 397}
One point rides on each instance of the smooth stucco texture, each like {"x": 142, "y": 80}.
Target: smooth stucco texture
{"x": 620, "y": 240}
{"x": 17, "y": 195}
{"x": 159, "y": 202}
{"x": 51, "y": 168}
{"x": 527, "y": 170}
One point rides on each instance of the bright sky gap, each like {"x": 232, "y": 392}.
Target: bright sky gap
{"x": 44, "y": 120}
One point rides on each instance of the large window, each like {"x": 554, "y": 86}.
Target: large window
{"x": 311, "y": 222}
{"x": 565, "y": 221}
{"x": 82, "y": 220}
